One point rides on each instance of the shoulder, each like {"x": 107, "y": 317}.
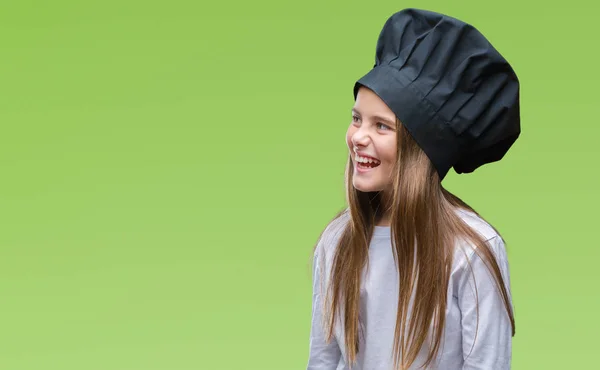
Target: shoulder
{"x": 331, "y": 235}
{"x": 478, "y": 224}
{"x": 466, "y": 251}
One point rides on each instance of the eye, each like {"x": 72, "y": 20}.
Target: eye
{"x": 355, "y": 118}
{"x": 386, "y": 127}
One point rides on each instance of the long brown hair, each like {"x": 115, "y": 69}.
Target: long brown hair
{"x": 421, "y": 211}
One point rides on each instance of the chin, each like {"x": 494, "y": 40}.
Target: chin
{"x": 367, "y": 186}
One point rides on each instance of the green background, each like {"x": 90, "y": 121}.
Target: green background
{"x": 168, "y": 166}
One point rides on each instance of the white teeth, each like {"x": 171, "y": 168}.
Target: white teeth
{"x": 365, "y": 160}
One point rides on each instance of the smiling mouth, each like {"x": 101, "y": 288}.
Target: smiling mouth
{"x": 366, "y": 162}
{"x": 366, "y": 166}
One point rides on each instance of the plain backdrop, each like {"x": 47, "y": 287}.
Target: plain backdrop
{"x": 168, "y": 166}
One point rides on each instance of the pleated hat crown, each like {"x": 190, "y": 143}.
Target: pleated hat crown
{"x": 452, "y": 90}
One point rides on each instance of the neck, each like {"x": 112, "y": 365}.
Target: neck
{"x": 384, "y": 217}
{"x": 384, "y": 220}
{"x": 383, "y": 223}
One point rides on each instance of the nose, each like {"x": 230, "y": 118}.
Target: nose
{"x": 360, "y": 138}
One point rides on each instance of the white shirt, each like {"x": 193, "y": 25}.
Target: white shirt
{"x": 378, "y": 308}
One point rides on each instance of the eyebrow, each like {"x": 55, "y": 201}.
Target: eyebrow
{"x": 378, "y": 117}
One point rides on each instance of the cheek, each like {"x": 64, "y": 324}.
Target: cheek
{"x": 349, "y": 134}
{"x": 390, "y": 152}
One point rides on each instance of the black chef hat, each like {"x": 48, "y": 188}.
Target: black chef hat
{"x": 452, "y": 90}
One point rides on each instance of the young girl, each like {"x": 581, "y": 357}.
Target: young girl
{"x": 408, "y": 276}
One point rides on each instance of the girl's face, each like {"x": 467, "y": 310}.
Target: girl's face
{"x": 371, "y": 139}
